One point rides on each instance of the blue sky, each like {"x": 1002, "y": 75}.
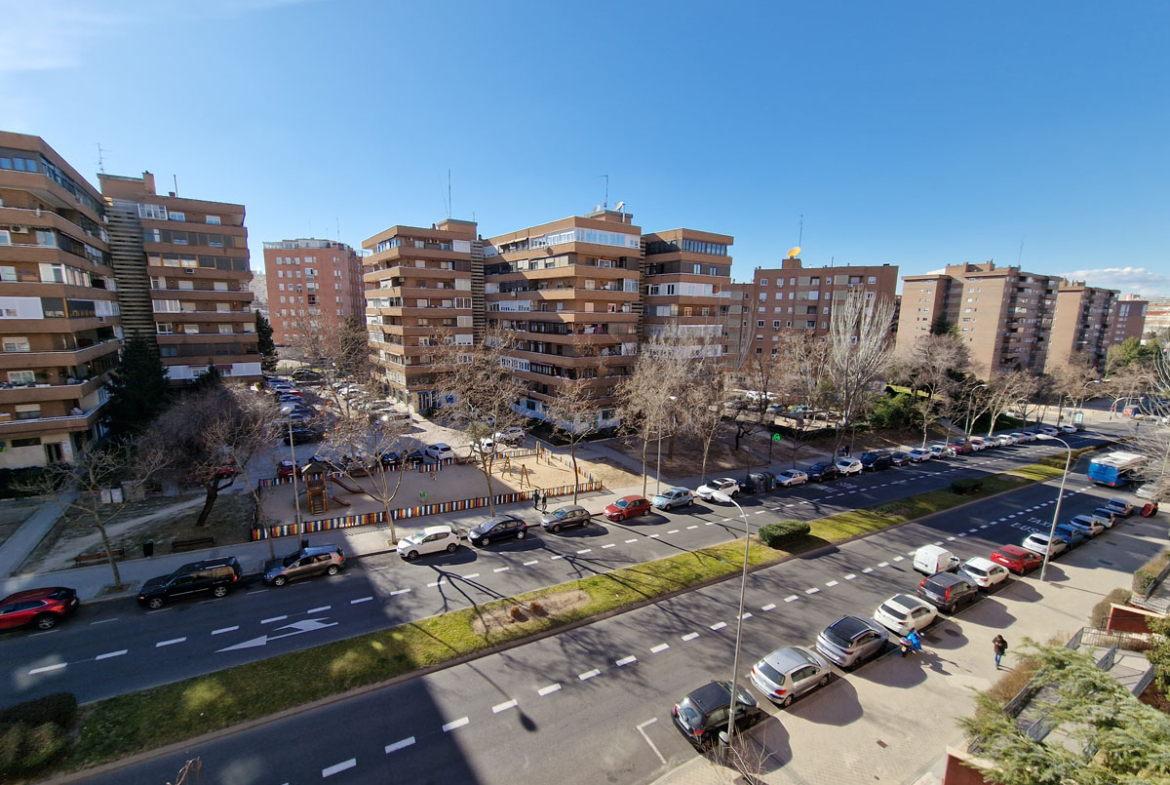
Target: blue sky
{"x": 914, "y": 133}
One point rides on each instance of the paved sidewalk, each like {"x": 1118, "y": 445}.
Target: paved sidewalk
{"x": 28, "y": 536}
{"x": 891, "y": 721}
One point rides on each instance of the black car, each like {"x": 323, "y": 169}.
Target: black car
{"x": 301, "y": 435}
{"x": 565, "y": 517}
{"x": 819, "y": 472}
{"x": 703, "y": 714}
{"x": 391, "y": 460}
{"x": 214, "y": 576}
{"x": 305, "y": 563}
{"x": 758, "y": 482}
{"x": 900, "y": 458}
{"x": 500, "y": 527}
{"x": 876, "y": 460}
{"x": 948, "y": 590}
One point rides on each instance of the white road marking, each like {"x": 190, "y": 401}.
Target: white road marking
{"x": 831, "y": 584}
{"x": 632, "y": 539}
{"x": 673, "y": 531}
{"x": 690, "y": 636}
{"x": 725, "y": 520}
{"x": 222, "y": 630}
{"x": 501, "y": 569}
{"x": 549, "y": 690}
{"x": 813, "y": 590}
{"x": 718, "y": 625}
{"x": 554, "y": 558}
{"x": 760, "y": 512}
{"x": 104, "y": 621}
{"x": 453, "y": 724}
{"x": 47, "y": 668}
{"x": 938, "y": 542}
{"x": 884, "y": 564}
{"x": 610, "y": 545}
{"x": 504, "y": 706}
{"x": 709, "y": 523}
{"x": 951, "y": 538}
{"x": 898, "y": 558}
{"x": 587, "y": 675}
{"x": 850, "y": 576}
{"x": 693, "y": 527}
{"x": 647, "y": 738}
{"x": 110, "y": 654}
{"x": 868, "y": 570}
{"x": 659, "y": 648}
{"x": 399, "y": 745}
{"x": 322, "y": 609}
{"x": 973, "y": 529}
{"x": 396, "y": 592}
{"x": 746, "y": 616}
{"x": 584, "y": 550}
{"x": 769, "y": 606}
{"x": 338, "y": 767}
{"x": 274, "y": 618}
{"x": 962, "y": 534}
{"x": 439, "y": 582}
{"x": 655, "y": 536}
{"x": 791, "y": 598}
{"x": 171, "y": 642}
{"x": 360, "y": 600}
{"x": 257, "y": 591}
{"x": 469, "y": 577}
{"x": 626, "y": 661}
{"x": 530, "y": 563}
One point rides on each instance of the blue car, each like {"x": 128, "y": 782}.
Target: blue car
{"x": 1071, "y": 535}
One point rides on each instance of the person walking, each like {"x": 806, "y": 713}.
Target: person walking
{"x": 1000, "y": 646}
{"x": 544, "y": 502}
{"x": 536, "y": 499}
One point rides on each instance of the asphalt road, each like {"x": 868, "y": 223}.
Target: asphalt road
{"x": 593, "y": 704}
{"x": 109, "y": 649}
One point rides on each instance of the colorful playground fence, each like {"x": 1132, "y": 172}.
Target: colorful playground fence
{"x": 423, "y": 468}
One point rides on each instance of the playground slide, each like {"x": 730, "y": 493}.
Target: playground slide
{"x": 346, "y": 485}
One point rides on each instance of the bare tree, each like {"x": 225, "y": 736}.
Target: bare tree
{"x": 702, "y": 402}
{"x": 758, "y": 377}
{"x": 575, "y": 412}
{"x": 1152, "y": 432}
{"x": 859, "y": 353}
{"x": 936, "y": 364}
{"x": 645, "y": 396}
{"x": 1008, "y": 392}
{"x": 1074, "y": 380}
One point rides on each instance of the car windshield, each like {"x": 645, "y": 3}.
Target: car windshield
{"x": 978, "y": 571}
{"x": 621, "y": 504}
{"x": 890, "y": 609}
{"x": 290, "y": 560}
{"x": 832, "y": 634}
{"x": 770, "y": 673}
{"x": 691, "y": 718}
{"x": 561, "y": 513}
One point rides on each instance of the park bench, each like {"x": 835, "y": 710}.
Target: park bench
{"x": 86, "y": 558}
{"x": 194, "y": 542}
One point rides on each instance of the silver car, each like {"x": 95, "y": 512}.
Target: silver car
{"x": 673, "y": 497}
{"x": 851, "y": 640}
{"x": 565, "y": 517}
{"x": 789, "y": 672}
{"x": 790, "y": 477}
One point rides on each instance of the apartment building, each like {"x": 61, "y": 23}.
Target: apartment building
{"x": 320, "y": 281}
{"x": 1127, "y": 319}
{"x": 686, "y": 283}
{"x": 570, "y": 293}
{"x": 422, "y": 286}
{"x": 1157, "y": 317}
{"x": 1081, "y": 325}
{"x": 58, "y": 303}
{"x": 183, "y": 274}
{"x": 1004, "y": 315}
{"x": 793, "y": 297}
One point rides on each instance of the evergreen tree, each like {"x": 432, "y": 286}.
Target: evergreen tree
{"x": 139, "y": 390}
{"x": 268, "y": 356}
{"x": 208, "y": 380}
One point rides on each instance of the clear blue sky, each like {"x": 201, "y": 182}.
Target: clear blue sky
{"x": 914, "y": 133}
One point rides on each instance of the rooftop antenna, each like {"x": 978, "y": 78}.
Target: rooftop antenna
{"x": 801, "y": 240}
{"x": 448, "y": 194}
{"x": 101, "y": 162}
{"x": 605, "y": 204}
{"x": 175, "y": 177}
{"x": 1020, "y": 256}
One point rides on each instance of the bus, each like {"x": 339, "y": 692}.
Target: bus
{"x": 1116, "y": 469}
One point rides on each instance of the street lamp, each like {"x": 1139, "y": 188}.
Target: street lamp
{"x": 292, "y": 445}
{"x": 970, "y": 402}
{"x": 719, "y": 496}
{"x": 1059, "y": 497}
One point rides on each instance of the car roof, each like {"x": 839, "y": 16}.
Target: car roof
{"x": 33, "y": 594}
{"x": 1013, "y": 550}
{"x": 442, "y": 445}
{"x": 437, "y": 530}
{"x": 630, "y": 498}
{"x": 947, "y": 579}
{"x": 981, "y": 563}
{"x": 851, "y": 626}
{"x": 790, "y": 657}
{"x": 906, "y": 601}
{"x": 710, "y": 696}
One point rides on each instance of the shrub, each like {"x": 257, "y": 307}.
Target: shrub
{"x": 1148, "y": 572}
{"x": 1100, "y": 613}
{"x": 25, "y": 748}
{"x": 968, "y": 486}
{"x": 536, "y": 608}
{"x": 517, "y": 613}
{"x": 59, "y": 708}
{"x": 777, "y": 534}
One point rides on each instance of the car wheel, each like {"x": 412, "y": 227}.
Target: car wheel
{"x": 521, "y": 534}
{"x": 411, "y": 556}
{"x": 784, "y": 704}
{"x": 824, "y": 681}
{"x": 485, "y": 542}
{"x": 154, "y": 603}
{"x": 46, "y": 621}
{"x": 332, "y": 570}
{"x": 279, "y": 580}
{"x": 219, "y": 591}
{"x": 452, "y": 548}
{"x": 556, "y": 529}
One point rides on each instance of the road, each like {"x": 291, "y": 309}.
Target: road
{"x": 594, "y": 703}
{"x": 109, "y": 649}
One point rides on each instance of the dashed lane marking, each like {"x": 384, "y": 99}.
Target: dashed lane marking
{"x": 400, "y": 745}
{"x": 610, "y": 545}
{"x": 469, "y": 577}
{"x": 673, "y": 531}
{"x": 501, "y": 569}
{"x": 549, "y": 690}
{"x": 867, "y": 570}
{"x": 257, "y": 591}
{"x": 274, "y": 618}
{"x": 693, "y": 527}
{"x": 587, "y": 675}
{"x": 47, "y": 668}
{"x": 626, "y": 661}
{"x": 791, "y": 598}
{"x": 584, "y": 550}
{"x": 439, "y": 582}
{"x": 504, "y": 706}
{"x": 850, "y": 576}
{"x": 337, "y": 768}
{"x": 171, "y": 642}
{"x": 884, "y": 563}
{"x": 360, "y": 600}
{"x": 530, "y": 563}
{"x": 769, "y": 606}
{"x": 453, "y": 724}
{"x": 813, "y": 590}
{"x": 659, "y": 648}
{"x": 718, "y": 625}
{"x": 746, "y": 616}
{"x": 103, "y": 621}
{"x": 831, "y": 584}
{"x": 110, "y": 654}
{"x": 554, "y": 558}
{"x": 951, "y": 538}
{"x": 632, "y": 539}
{"x": 222, "y": 630}
{"x": 899, "y": 558}
{"x": 322, "y": 609}
{"x": 396, "y": 592}
{"x": 690, "y": 636}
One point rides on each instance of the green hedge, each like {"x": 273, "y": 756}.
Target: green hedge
{"x": 59, "y": 708}
{"x": 25, "y": 749}
{"x": 776, "y": 535}
{"x": 967, "y": 486}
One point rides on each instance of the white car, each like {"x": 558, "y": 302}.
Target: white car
{"x": 977, "y": 444}
{"x": 1024, "y": 437}
{"x": 790, "y": 477}
{"x": 849, "y": 466}
{"x": 439, "y": 451}
{"x": 510, "y": 435}
{"x": 432, "y": 539}
{"x": 902, "y": 613}
{"x": 1039, "y": 543}
{"x": 940, "y": 450}
{"x": 1069, "y": 428}
{"x": 486, "y": 446}
{"x": 918, "y": 456}
{"x": 722, "y": 485}
{"x": 1048, "y": 430}
{"x": 984, "y": 573}
{"x": 1004, "y": 440}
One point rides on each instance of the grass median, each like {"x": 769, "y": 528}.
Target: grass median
{"x": 124, "y": 725}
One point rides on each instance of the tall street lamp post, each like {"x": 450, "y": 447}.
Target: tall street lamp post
{"x": 1059, "y": 497}
{"x": 719, "y": 496}
{"x": 292, "y": 445}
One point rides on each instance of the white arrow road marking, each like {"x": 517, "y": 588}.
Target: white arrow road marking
{"x": 647, "y": 738}
{"x": 298, "y": 628}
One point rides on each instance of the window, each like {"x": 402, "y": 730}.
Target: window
{"x": 7, "y": 274}
{"x": 776, "y": 325}
{"x": 16, "y": 345}
{"x": 179, "y": 238}
{"x": 760, "y": 323}
{"x": 763, "y": 282}
{"x": 225, "y": 329}
{"x": 763, "y": 296}
{"x": 213, "y": 220}
{"x": 28, "y": 411}
{"x": 165, "y": 328}
{"x": 153, "y": 211}
{"x": 177, "y": 216}
{"x": 872, "y": 280}
{"x": 22, "y": 377}
{"x": 5, "y": 238}
{"x": 151, "y": 235}
{"x": 34, "y": 441}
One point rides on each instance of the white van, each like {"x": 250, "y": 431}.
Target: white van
{"x": 930, "y": 559}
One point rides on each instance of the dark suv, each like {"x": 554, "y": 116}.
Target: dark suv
{"x": 819, "y": 472}
{"x": 305, "y": 563}
{"x": 876, "y": 460}
{"x": 947, "y": 591}
{"x": 702, "y": 714}
{"x": 215, "y": 577}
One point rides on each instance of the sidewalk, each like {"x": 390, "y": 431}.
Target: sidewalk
{"x": 892, "y": 720}
{"x": 25, "y": 539}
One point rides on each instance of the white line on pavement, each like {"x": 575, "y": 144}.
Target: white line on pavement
{"x": 501, "y": 569}
{"x": 718, "y": 625}
{"x": 884, "y": 563}
{"x": 360, "y": 600}
{"x": 104, "y": 621}
{"x": 469, "y": 577}
{"x": 951, "y": 538}
{"x": 690, "y": 636}
{"x": 453, "y": 724}
{"x": 632, "y": 539}
{"x": 171, "y": 642}
{"x": 709, "y": 523}
{"x": 868, "y": 570}
{"x": 47, "y": 668}
{"x": 898, "y": 558}
{"x": 274, "y": 618}
{"x": 673, "y": 531}
{"x": 110, "y": 654}
{"x": 760, "y": 512}
{"x": 504, "y": 706}
{"x": 659, "y": 648}
{"x": 399, "y": 745}
{"x": 769, "y": 606}
{"x": 850, "y": 576}
{"x": 336, "y": 768}
{"x": 746, "y": 616}
{"x": 257, "y": 591}
{"x": 222, "y": 630}
{"x": 626, "y": 661}
{"x": 609, "y": 545}
{"x": 554, "y": 558}
{"x": 587, "y": 675}
{"x": 647, "y": 738}
{"x": 791, "y": 598}
{"x": 322, "y": 609}
{"x": 439, "y": 582}
{"x": 530, "y": 563}
{"x": 584, "y": 550}
{"x": 655, "y": 536}
{"x": 693, "y": 527}
{"x": 813, "y": 590}
{"x": 831, "y": 584}
{"x": 549, "y": 690}
{"x": 396, "y": 592}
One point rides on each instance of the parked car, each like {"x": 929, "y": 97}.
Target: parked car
{"x": 213, "y": 576}
{"x": 565, "y": 518}
{"x": 1068, "y": 428}
{"x": 902, "y": 613}
{"x": 960, "y": 446}
{"x": 300, "y": 434}
{"x": 977, "y": 444}
{"x": 305, "y": 563}
{"x": 876, "y": 460}
{"x": 724, "y": 485}
{"x": 511, "y": 435}
{"x": 42, "y": 608}
{"x": 1106, "y": 515}
{"x": 848, "y": 466}
{"x": 1024, "y": 436}
{"x": 703, "y": 713}
{"x": 627, "y": 507}
{"x": 790, "y": 477}
{"x": 899, "y": 458}
{"x": 1071, "y": 535}
{"x": 918, "y": 455}
{"x": 1088, "y": 524}
{"x": 984, "y": 573}
{"x": 1039, "y": 543}
{"x": 820, "y": 472}
{"x": 758, "y": 482}
{"x": 851, "y": 640}
{"x": 438, "y": 452}
{"x": 1121, "y": 506}
{"x": 1016, "y": 559}
{"x": 672, "y": 498}
{"x": 930, "y": 559}
{"x": 941, "y": 451}
{"x": 501, "y": 527}
{"x": 948, "y": 590}
{"x": 432, "y": 539}
{"x": 786, "y": 673}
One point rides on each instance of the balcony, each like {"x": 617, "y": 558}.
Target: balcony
{"x": 38, "y": 393}
{"x": 57, "y": 358}
{"x": 16, "y": 429}
{"x": 46, "y": 219}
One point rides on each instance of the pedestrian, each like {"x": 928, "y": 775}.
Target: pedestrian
{"x": 1000, "y": 646}
{"x": 536, "y": 499}
{"x": 912, "y": 642}
{"x": 544, "y": 503}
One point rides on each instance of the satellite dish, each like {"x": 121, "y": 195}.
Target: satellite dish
{"x": 620, "y": 205}
{"x": 794, "y": 252}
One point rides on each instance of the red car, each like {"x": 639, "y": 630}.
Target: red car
{"x": 627, "y": 507}
{"x": 286, "y": 469}
{"x": 960, "y": 446}
{"x": 1016, "y": 559}
{"x": 42, "y": 607}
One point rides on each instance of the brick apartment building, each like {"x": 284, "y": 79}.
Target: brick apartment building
{"x": 59, "y": 305}
{"x": 311, "y": 282}
{"x": 686, "y": 276}
{"x": 1128, "y": 319}
{"x": 1157, "y": 317}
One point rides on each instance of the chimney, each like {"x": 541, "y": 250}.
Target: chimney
{"x": 148, "y": 183}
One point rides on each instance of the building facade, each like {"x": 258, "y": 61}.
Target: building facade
{"x": 686, "y": 286}
{"x": 183, "y": 275}
{"x": 311, "y": 282}
{"x": 1157, "y": 318}
{"x": 1082, "y": 324}
{"x": 1127, "y": 319}
{"x": 59, "y": 306}
{"x": 420, "y": 289}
